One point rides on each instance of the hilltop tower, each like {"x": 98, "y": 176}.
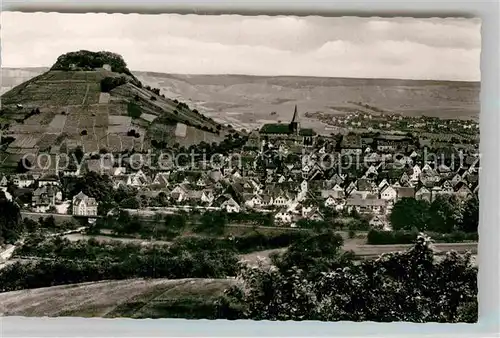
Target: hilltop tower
{"x": 295, "y": 124}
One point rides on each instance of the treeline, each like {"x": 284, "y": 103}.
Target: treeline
{"x": 315, "y": 280}
{"x": 170, "y": 227}
{"x": 63, "y": 262}
{"x": 445, "y": 214}
{"x": 87, "y": 60}
{"x": 409, "y": 237}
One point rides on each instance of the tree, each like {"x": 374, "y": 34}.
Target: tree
{"x": 23, "y": 165}
{"x": 212, "y": 223}
{"x": 79, "y": 154}
{"x": 314, "y": 254}
{"x": 407, "y": 286}
{"x": 409, "y": 213}
{"x": 130, "y": 203}
{"x": 94, "y": 185}
{"x": 444, "y": 214}
{"x": 11, "y": 226}
{"x": 470, "y": 216}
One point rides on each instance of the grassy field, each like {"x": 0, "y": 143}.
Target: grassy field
{"x": 136, "y": 298}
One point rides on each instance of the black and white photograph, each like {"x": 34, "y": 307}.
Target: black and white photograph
{"x": 282, "y": 168}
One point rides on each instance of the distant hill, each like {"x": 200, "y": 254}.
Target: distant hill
{"x": 96, "y": 108}
{"x": 247, "y": 101}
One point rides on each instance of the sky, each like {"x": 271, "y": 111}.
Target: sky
{"x": 406, "y": 48}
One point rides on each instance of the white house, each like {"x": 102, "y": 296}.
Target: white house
{"x": 4, "y": 181}
{"x": 231, "y": 206}
{"x": 282, "y": 199}
{"x": 8, "y": 196}
{"x": 207, "y": 196}
{"x": 23, "y": 181}
{"x": 371, "y": 171}
{"x": 330, "y": 202}
{"x": 255, "y": 201}
{"x": 84, "y": 205}
{"x": 382, "y": 184}
{"x": 304, "y": 186}
{"x": 137, "y": 179}
{"x": 283, "y": 216}
{"x": 161, "y": 179}
{"x": 48, "y": 180}
{"x": 388, "y": 193}
{"x": 415, "y": 176}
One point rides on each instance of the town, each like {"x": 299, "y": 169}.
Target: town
{"x": 284, "y": 171}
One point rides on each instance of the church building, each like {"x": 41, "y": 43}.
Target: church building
{"x": 289, "y": 131}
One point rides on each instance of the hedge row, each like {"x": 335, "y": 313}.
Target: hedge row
{"x": 408, "y": 237}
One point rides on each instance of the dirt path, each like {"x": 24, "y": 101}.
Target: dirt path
{"x": 86, "y": 93}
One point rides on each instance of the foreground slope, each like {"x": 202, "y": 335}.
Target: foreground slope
{"x": 135, "y": 298}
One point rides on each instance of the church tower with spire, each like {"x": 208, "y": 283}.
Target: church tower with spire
{"x": 295, "y": 124}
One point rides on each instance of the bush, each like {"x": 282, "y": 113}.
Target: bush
{"x": 110, "y": 83}
{"x": 408, "y": 237}
{"x": 85, "y": 59}
{"x": 391, "y": 237}
{"x": 134, "y": 110}
{"x": 374, "y": 290}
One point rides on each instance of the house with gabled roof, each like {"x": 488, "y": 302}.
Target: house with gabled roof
{"x": 371, "y": 205}
{"x": 161, "y": 179}
{"x": 138, "y": 179}
{"x": 378, "y": 222}
{"x": 282, "y": 198}
{"x": 371, "y": 171}
{"x": 283, "y": 216}
{"x": 4, "y": 181}
{"x": 462, "y": 190}
{"x": 281, "y": 179}
{"x": 23, "y": 180}
{"x": 382, "y": 184}
{"x": 230, "y": 205}
{"x": 253, "y": 200}
{"x": 84, "y": 205}
{"x": 405, "y": 192}
{"x": 315, "y": 215}
{"x": 388, "y": 193}
{"x": 179, "y": 193}
{"x": 415, "y": 175}
{"x": 423, "y": 193}
{"x": 46, "y": 195}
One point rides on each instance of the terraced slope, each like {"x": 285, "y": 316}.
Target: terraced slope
{"x": 59, "y": 110}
